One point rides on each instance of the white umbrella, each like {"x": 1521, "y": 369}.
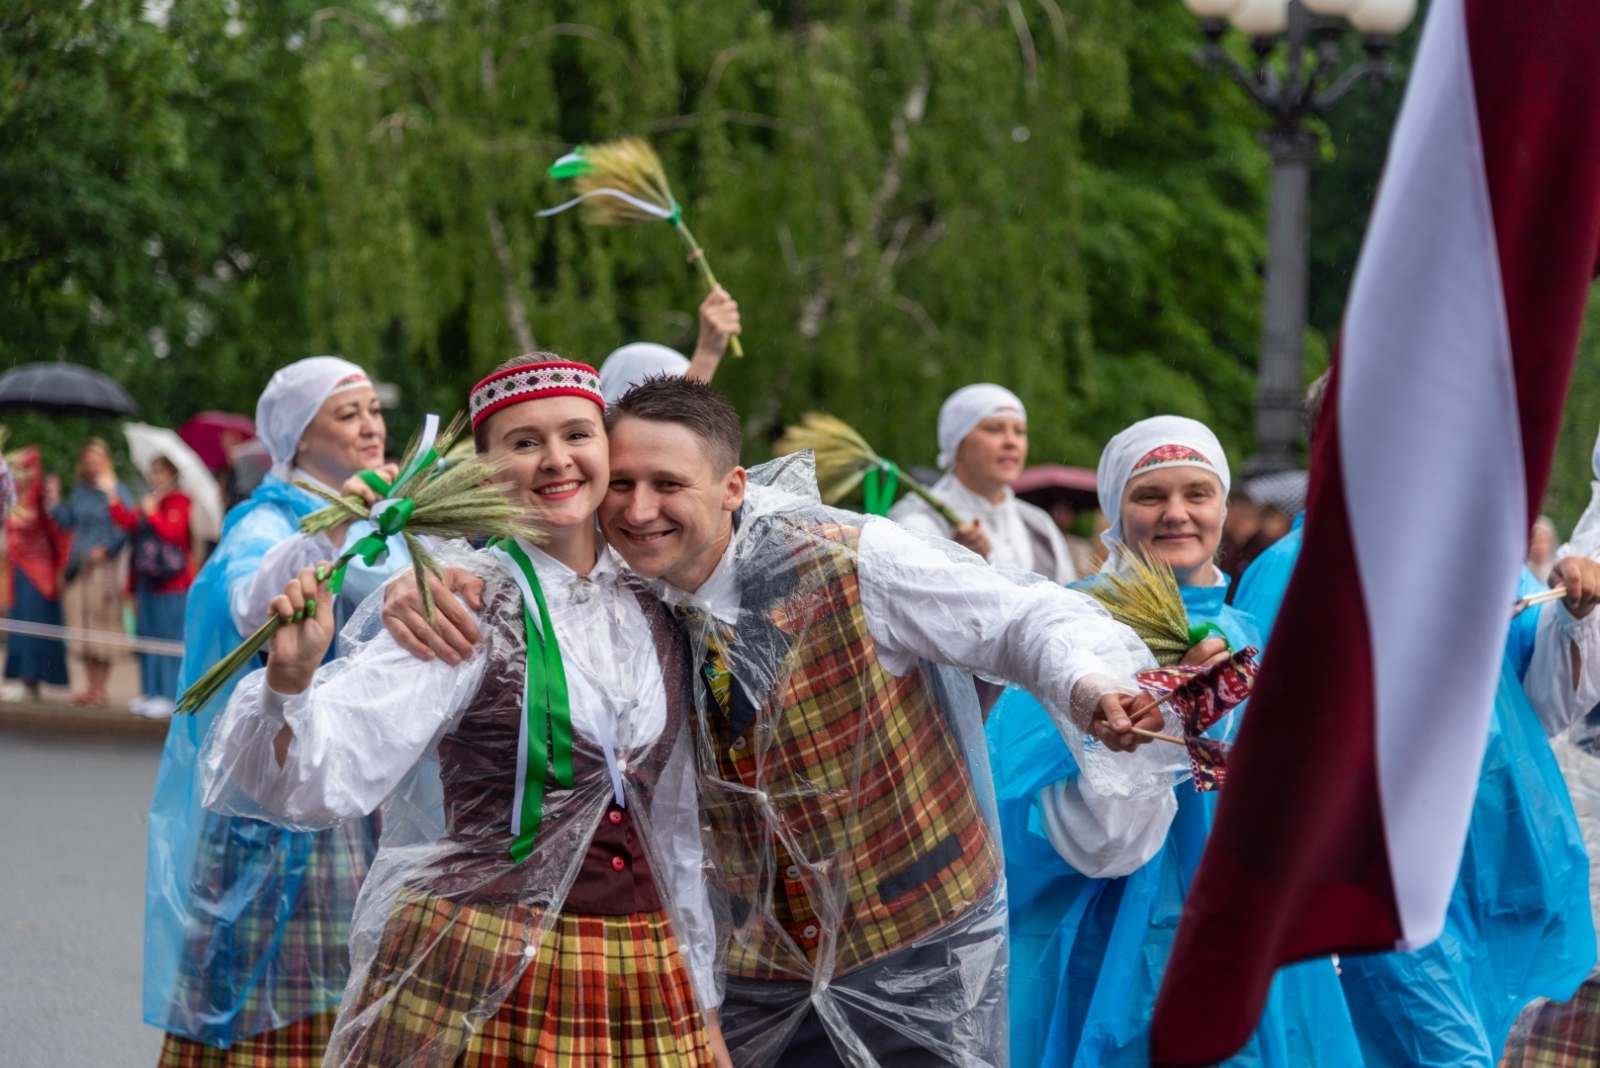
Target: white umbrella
{"x": 146, "y": 442}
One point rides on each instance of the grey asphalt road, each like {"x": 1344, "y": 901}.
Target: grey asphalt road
{"x": 72, "y": 847}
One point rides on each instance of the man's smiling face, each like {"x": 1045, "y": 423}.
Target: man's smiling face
{"x": 668, "y": 511}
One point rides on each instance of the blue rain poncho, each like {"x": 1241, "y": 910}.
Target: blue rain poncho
{"x": 1087, "y": 955}
{"x": 1519, "y": 924}
{"x": 245, "y": 924}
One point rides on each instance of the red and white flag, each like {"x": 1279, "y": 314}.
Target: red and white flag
{"x": 1349, "y": 793}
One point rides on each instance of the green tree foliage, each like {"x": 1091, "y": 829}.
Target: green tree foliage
{"x": 904, "y": 198}
{"x": 151, "y": 185}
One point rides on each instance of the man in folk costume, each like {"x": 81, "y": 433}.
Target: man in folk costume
{"x": 539, "y": 898}
{"x": 844, "y": 788}
{"x": 983, "y": 447}
{"x": 246, "y": 924}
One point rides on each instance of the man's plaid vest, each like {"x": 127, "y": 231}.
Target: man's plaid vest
{"x": 842, "y": 808}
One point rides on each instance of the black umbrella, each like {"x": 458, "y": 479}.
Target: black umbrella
{"x": 61, "y": 388}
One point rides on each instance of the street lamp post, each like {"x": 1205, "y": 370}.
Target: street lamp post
{"x": 1300, "y": 90}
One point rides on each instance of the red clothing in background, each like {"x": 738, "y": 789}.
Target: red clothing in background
{"x": 170, "y": 521}
{"x": 36, "y": 546}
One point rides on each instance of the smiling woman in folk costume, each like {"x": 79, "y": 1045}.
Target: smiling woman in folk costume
{"x": 558, "y": 916}
{"x": 1098, "y": 866}
{"x": 246, "y": 924}
{"x": 983, "y": 447}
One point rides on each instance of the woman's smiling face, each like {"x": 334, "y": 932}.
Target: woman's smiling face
{"x": 1175, "y": 514}
{"x": 557, "y": 456}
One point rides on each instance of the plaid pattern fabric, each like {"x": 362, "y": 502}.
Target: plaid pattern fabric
{"x": 601, "y": 990}
{"x": 1563, "y": 1034}
{"x": 269, "y": 926}
{"x": 862, "y": 774}
{"x": 299, "y": 1045}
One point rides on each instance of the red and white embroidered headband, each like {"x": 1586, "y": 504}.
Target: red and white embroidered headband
{"x": 533, "y": 381}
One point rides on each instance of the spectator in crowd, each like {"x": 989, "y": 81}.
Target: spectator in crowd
{"x": 1243, "y": 538}
{"x": 37, "y": 548}
{"x": 161, "y": 572}
{"x": 1542, "y": 544}
{"x": 93, "y": 597}
{"x": 983, "y": 447}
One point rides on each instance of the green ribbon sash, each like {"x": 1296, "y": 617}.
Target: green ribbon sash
{"x": 878, "y": 487}
{"x": 547, "y": 714}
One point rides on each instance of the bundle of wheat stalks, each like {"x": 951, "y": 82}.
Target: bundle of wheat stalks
{"x": 622, "y": 183}
{"x": 844, "y": 458}
{"x": 1144, "y": 596}
{"x": 458, "y": 500}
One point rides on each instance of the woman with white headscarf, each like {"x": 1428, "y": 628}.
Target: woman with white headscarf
{"x": 631, "y": 364}
{"x": 1097, "y": 868}
{"x": 983, "y": 447}
{"x": 246, "y": 924}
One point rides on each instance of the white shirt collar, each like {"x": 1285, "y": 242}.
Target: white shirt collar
{"x": 553, "y": 573}
{"x": 718, "y": 595}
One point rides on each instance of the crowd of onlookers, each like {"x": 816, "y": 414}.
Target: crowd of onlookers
{"x": 98, "y": 557}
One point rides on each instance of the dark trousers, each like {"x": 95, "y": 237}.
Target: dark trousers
{"x": 925, "y": 984}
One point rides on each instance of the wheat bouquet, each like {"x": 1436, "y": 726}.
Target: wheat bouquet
{"x": 445, "y": 500}
{"x": 845, "y": 461}
{"x": 621, "y": 183}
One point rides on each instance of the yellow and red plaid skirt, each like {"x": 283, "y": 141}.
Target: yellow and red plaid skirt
{"x": 601, "y": 990}
{"x": 299, "y": 1045}
{"x": 1565, "y": 1034}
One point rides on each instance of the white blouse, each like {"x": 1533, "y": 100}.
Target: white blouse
{"x": 357, "y": 733}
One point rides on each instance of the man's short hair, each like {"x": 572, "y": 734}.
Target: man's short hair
{"x": 480, "y": 433}
{"x": 691, "y": 404}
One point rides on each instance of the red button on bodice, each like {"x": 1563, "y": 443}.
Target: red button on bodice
{"x": 614, "y": 816}
{"x": 618, "y": 863}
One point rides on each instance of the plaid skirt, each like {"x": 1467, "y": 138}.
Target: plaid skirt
{"x": 601, "y": 990}
{"x": 299, "y": 1045}
{"x": 267, "y": 940}
{"x": 1564, "y": 1034}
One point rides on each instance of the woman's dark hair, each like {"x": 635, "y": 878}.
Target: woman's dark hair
{"x": 480, "y": 433}
{"x": 691, "y": 404}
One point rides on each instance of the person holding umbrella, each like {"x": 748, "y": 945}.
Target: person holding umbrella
{"x": 93, "y": 597}
{"x": 160, "y": 576}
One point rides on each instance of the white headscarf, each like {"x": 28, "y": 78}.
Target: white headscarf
{"x": 964, "y": 409}
{"x": 292, "y": 399}
{"x": 631, "y": 364}
{"x": 1161, "y": 441}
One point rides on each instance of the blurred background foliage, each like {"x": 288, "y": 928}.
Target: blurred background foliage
{"x": 904, "y": 196}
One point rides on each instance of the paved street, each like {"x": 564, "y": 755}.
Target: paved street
{"x": 72, "y": 841}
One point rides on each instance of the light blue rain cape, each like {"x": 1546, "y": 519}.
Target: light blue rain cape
{"x": 1519, "y": 924}
{"x": 1087, "y": 955}
{"x": 211, "y": 966}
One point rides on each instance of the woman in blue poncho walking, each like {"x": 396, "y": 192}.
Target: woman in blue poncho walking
{"x": 246, "y": 924}
{"x": 1097, "y": 864}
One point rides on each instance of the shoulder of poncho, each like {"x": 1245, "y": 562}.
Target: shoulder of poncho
{"x": 822, "y": 522}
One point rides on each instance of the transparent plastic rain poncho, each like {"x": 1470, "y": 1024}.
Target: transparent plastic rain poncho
{"x": 849, "y": 811}
{"x": 245, "y": 923}
{"x": 449, "y": 921}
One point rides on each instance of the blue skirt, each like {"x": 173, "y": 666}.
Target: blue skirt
{"x": 28, "y": 658}
{"x": 160, "y": 615}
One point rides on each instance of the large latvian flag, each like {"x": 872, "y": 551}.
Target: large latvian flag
{"x": 1342, "y": 822}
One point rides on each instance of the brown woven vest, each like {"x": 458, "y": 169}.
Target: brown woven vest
{"x": 861, "y": 769}
{"x": 478, "y": 764}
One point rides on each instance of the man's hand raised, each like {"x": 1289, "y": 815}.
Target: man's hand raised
{"x": 452, "y": 634}
{"x": 1113, "y": 721}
